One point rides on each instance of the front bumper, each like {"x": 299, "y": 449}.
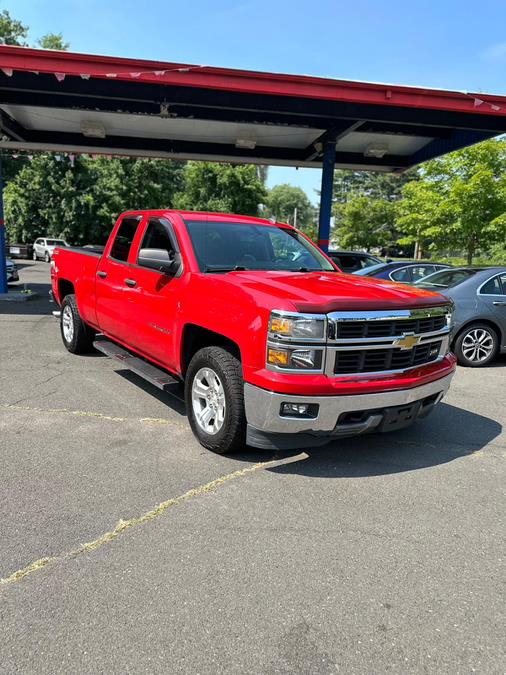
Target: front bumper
{"x": 337, "y": 416}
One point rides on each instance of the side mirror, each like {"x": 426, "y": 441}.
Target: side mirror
{"x": 160, "y": 259}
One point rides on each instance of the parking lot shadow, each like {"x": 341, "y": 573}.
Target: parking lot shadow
{"x": 449, "y": 433}
{"x": 39, "y": 305}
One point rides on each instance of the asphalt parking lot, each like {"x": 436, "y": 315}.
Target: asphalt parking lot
{"x": 373, "y": 555}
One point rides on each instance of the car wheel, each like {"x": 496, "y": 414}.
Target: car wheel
{"x": 47, "y": 257}
{"x": 214, "y": 396}
{"x": 34, "y": 256}
{"x": 76, "y": 335}
{"x": 476, "y": 345}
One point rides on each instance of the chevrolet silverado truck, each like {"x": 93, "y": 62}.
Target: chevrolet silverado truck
{"x": 275, "y": 347}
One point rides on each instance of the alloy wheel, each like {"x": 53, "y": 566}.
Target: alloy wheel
{"x": 477, "y": 345}
{"x": 208, "y": 401}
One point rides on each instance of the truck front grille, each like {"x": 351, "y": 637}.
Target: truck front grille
{"x": 364, "y": 329}
{"x": 377, "y": 360}
{"x": 361, "y": 342}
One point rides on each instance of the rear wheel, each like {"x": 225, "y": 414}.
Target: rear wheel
{"x": 76, "y": 335}
{"x": 215, "y": 400}
{"x": 476, "y": 345}
{"x": 47, "y": 257}
{"x": 34, "y": 256}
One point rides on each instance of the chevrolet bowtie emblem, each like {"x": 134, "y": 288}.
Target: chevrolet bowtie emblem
{"x": 407, "y": 341}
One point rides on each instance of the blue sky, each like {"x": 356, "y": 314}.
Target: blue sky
{"x": 454, "y": 44}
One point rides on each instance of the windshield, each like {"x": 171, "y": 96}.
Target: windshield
{"x": 371, "y": 270}
{"x": 224, "y": 246}
{"x": 445, "y": 279}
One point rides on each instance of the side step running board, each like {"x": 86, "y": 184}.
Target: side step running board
{"x": 156, "y": 376}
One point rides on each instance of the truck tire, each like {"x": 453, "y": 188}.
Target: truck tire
{"x": 214, "y": 397}
{"x": 76, "y": 335}
{"x": 476, "y": 345}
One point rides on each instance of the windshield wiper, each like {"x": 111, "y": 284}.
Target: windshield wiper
{"x": 236, "y": 268}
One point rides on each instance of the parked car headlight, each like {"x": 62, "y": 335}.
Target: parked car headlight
{"x": 302, "y": 327}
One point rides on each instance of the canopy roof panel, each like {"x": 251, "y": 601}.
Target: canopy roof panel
{"x": 63, "y": 101}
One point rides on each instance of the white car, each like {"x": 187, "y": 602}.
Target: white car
{"x": 43, "y": 248}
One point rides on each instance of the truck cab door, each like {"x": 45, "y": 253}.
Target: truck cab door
{"x": 154, "y": 299}
{"x": 112, "y": 278}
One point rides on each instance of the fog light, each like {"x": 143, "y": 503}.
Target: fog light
{"x": 305, "y": 410}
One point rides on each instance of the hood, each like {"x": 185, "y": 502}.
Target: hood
{"x": 323, "y": 292}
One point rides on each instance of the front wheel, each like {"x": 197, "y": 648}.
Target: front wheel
{"x": 476, "y": 345}
{"x": 76, "y": 335}
{"x": 215, "y": 400}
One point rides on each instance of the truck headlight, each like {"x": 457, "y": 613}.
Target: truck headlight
{"x": 302, "y": 327}
{"x": 295, "y": 359}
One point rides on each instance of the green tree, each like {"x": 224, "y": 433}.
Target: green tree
{"x": 367, "y": 223}
{"x": 459, "y": 202}
{"x": 373, "y": 184}
{"x": 225, "y": 188}
{"x": 424, "y": 217}
{"x": 12, "y": 32}
{"x": 479, "y": 204}
{"x": 282, "y": 201}
{"x": 53, "y": 41}
{"x": 80, "y": 198}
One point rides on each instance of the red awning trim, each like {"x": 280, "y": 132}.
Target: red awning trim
{"x": 86, "y": 66}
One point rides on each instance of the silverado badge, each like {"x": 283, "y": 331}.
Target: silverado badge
{"x": 407, "y": 341}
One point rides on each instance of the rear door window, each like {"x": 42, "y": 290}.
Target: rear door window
{"x": 403, "y": 275}
{"x": 494, "y": 286}
{"x": 124, "y": 238}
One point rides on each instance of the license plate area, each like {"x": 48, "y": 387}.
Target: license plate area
{"x": 400, "y": 416}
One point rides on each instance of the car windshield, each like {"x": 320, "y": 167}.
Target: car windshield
{"x": 225, "y": 246}
{"x": 55, "y": 242}
{"x": 371, "y": 270}
{"x": 446, "y": 278}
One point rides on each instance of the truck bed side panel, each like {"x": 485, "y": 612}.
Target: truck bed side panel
{"x": 79, "y": 267}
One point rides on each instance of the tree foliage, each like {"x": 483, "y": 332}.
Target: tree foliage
{"x": 225, "y": 188}
{"x": 282, "y": 200}
{"x": 12, "y": 32}
{"x": 80, "y": 199}
{"x": 366, "y": 223}
{"x": 53, "y": 41}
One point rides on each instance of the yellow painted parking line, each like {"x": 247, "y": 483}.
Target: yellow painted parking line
{"x": 124, "y": 525}
{"x": 87, "y": 413}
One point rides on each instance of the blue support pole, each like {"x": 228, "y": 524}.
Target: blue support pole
{"x": 329, "y": 160}
{"x": 3, "y": 252}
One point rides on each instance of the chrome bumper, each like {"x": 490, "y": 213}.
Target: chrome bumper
{"x": 263, "y": 408}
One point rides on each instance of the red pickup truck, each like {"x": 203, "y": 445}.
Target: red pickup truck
{"x": 276, "y": 348}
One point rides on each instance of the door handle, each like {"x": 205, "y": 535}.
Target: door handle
{"x": 497, "y": 302}
{"x": 102, "y": 275}
{"x": 130, "y": 282}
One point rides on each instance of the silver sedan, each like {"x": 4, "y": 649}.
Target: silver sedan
{"x": 479, "y": 294}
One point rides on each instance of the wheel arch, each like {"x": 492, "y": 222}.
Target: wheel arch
{"x": 195, "y": 337}
{"x": 65, "y": 287}
{"x": 488, "y": 322}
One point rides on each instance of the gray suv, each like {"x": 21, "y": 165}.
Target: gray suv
{"x": 479, "y": 294}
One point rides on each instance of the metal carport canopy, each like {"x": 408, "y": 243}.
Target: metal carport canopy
{"x": 62, "y": 101}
